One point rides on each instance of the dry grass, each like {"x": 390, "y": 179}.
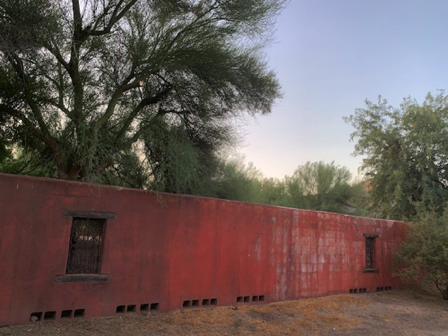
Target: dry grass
{"x": 309, "y": 314}
{"x": 283, "y": 318}
{"x": 200, "y": 316}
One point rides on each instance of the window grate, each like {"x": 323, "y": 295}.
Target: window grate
{"x": 370, "y": 252}
{"x": 85, "y": 248}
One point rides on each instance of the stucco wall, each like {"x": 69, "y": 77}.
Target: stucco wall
{"x": 161, "y": 250}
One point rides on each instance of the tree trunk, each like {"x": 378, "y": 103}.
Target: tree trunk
{"x": 445, "y": 293}
{"x": 443, "y": 288}
{"x": 71, "y": 174}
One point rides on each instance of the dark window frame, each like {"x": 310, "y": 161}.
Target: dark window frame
{"x": 370, "y": 253}
{"x": 100, "y": 220}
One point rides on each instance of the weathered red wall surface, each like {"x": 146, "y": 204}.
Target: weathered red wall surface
{"x": 167, "y": 249}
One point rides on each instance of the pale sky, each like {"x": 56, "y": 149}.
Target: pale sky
{"x": 331, "y": 55}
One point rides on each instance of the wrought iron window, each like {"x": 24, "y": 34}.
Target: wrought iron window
{"x": 370, "y": 252}
{"x": 86, "y": 246}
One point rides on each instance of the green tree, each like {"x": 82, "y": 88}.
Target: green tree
{"x": 273, "y": 191}
{"x": 320, "y": 186}
{"x": 237, "y": 181}
{"x": 102, "y": 86}
{"x": 315, "y": 186}
{"x": 406, "y": 154}
{"x": 424, "y": 253}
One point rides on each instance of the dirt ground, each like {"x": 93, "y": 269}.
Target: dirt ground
{"x": 410, "y": 312}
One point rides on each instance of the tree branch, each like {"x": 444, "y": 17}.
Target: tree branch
{"x": 116, "y": 16}
{"x": 128, "y": 86}
{"x": 57, "y": 54}
{"x": 17, "y": 64}
{"x": 114, "y": 101}
{"x": 145, "y": 102}
{"x": 77, "y": 19}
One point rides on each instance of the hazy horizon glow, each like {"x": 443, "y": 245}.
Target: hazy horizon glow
{"x": 330, "y": 56}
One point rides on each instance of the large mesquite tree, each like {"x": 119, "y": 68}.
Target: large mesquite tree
{"x": 149, "y": 85}
{"x": 406, "y": 154}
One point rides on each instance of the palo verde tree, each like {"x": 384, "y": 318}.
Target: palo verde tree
{"x": 406, "y": 154}
{"x": 315, "y": 186}
{"x": 95, "y": 88}
{"x": 320, "y": 186}
{"x": 235, "y": 180}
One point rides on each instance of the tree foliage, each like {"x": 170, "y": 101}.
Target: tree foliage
{"x": 406, "y": 154}
{"x": 98, "y": 87}
{"x": 424, "y": 254}
{"x": 313, "y": 186}
{"x": 237, "y": 181}
{"x": 320, "y": 186}
{"x": 273, "y": 191}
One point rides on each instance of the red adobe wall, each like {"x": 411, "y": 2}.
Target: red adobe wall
{"x": 166, "y": 249}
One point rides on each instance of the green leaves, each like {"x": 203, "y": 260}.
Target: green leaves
{"x": 314, "y": 186}
{"x": 406, "y": 154}
{"x": 173, "y": 159}
{"x": 424, "y": 254}
{"x": 26, "y": 24}
{"x": 320, "y": 186}
{"x": 84, "y": 80}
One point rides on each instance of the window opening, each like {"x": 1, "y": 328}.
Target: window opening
{"x": 370, "y": 252}
{"x": 86, "y": 245}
